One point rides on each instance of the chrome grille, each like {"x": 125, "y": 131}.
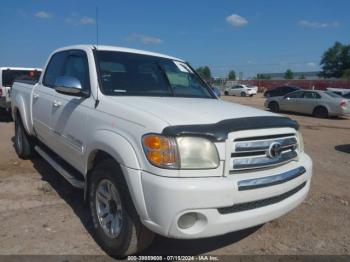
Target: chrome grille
{"x": 262, "y": 152}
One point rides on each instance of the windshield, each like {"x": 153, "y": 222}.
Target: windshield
{"x": 127, "y": 74}
{"x": 332, "y": 94}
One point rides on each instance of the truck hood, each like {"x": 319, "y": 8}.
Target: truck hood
{"x": 190, "y": 111}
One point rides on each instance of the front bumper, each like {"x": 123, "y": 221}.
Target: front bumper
{"x": 167, "y": 199}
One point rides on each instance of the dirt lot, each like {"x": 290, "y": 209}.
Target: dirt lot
{"x": 40, "y": 213}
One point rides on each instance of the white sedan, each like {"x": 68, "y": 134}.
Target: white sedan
{"x": 240, "y": 90}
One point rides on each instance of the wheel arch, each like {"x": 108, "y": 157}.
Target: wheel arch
{"x": 109, "y": 145}
{"x": 320, "y": 106}
{"x": 19, "y": 110}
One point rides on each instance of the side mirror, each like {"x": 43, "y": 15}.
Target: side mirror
{"x": 69, "y": 85}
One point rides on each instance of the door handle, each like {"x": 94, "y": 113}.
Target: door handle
{"x": 35, "y": 96}
{"x": 57, "y": 103}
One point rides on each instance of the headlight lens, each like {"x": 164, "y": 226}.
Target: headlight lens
{"x": 301, "y": 142}
{"x": 161, "y": 151}
{"x": 182, "y": 152}
{"x": 197, "y": 153}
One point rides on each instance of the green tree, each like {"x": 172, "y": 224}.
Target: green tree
{"x": 263, "y": 77}
{"x": 232, "y": 75}
{"x": 204, "y": 72}
{"x": 288, "y": 74}
{"x": 346, "y": 74}
{"x": 335, "y": 61}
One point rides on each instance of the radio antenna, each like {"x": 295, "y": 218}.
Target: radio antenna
{"x": 97, "y": 101}
{"x": 96, "y": 16}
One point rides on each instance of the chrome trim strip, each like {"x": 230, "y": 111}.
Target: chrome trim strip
{"x": 264, "y": 144}
{"x": 262, "y": 161}
{"x": 270, "y": 180}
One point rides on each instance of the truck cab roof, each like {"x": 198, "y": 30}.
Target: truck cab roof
{"x": 117, "y": 49}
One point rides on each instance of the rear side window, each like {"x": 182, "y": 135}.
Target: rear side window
{"x": 77, "y": 66}
{"x": 311, "y": 95}
{"x": 54, "y": 69}
{"x": 332, "y": 94}
{"x": 9, "y": 76}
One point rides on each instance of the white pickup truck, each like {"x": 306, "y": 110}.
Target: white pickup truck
{"x": 154, "y": 149}
{"x": 7, "y": 77}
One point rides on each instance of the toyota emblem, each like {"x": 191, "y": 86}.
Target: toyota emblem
{"x": 275, "y": 150}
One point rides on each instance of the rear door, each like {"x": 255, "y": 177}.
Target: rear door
{"x": 44, "y": 96}
{"x": 69, "y": 119}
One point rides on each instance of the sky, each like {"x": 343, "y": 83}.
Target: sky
{"x": 248, "y": 36}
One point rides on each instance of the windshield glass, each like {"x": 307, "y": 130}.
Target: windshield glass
{"x": 332, "y": 94}
{"x": 127, "y": 74}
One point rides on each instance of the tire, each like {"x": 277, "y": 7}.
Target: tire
{"x": 131, "y": 236}
{"x": 23, "y": 143}
{"x": 320, "y": 112}
{"x": 274, "y": 107}
{"x": 250, "y": 95}
{"x": 243, "y": 94}
{"x": 226, "y": 93}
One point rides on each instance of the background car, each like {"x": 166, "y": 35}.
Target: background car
{"x": 216, "y": 90}
{"x": 312, "y": 102}
{"x": 281, "y": 91}
{"x": 240, "y": 90}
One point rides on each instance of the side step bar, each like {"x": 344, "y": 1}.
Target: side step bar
{"x": 60, "y": 169}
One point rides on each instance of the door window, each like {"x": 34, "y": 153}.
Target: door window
{"x": 54, "y": 69}
{"x": 298, "y": 94}
{"x": 311, "y": 95}
{"x": 77, "y": 67}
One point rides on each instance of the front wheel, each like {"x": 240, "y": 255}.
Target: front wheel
{"x": 226, "y": 93}
{"x": 274, "y": 107}
{"x": 23, "y": 142}
{"x": 243, "y": 94}
{"x": 117, "y": 226}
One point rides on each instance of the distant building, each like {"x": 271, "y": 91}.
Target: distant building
{"x": 296, "y": 75}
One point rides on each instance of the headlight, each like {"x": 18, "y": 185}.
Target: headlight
{"x": 300, "y": 141}
{"x": 182, "y": 152}
{"x": 197, "y": 153}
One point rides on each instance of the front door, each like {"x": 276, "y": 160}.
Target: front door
{"x": 291, "y": 101}
{"x": 44, "y": 98}
{"x": 69, "y": 121}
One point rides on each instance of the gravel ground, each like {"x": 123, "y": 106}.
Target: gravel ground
{"x": 41, "y": 213}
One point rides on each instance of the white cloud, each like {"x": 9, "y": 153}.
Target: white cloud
{"x": 313, "y": 24}
{"x": 85, "y": 20}
{"x": 76, "y": 20}
{"x": 43, "y": 14}
{"x": 144, "y": 39}
{"x": 311, "y": 64}
{"x": 236, "y": 20}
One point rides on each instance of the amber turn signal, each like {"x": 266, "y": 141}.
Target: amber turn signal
{"x": 160, "y": 151}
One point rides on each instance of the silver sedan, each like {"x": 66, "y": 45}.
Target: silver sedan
{"x": 312, "y": 102}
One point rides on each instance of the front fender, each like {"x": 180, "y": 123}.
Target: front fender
{"x": 115, "y": 145}
{"x": 123, "y": 152}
